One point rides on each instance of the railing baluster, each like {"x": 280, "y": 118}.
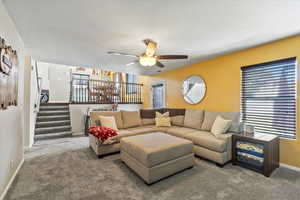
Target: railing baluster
{"x": 104, "y": 92}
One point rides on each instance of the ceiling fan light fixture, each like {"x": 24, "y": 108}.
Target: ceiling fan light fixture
{"x": 147, "y": 61}
{"x": 151, "y": 47}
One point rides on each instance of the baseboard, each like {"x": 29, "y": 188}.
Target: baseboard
{"x": 11, "y": 180}
{"x": 78, "y": 133}
{"x": 290, "y": 167}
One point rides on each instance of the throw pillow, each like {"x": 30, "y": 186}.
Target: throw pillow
{"x": 108, "y": 121}
{"x": 131, "y": 119}
{"x": 116, "y": 114}
{"x": 163, "y": 121}
{"x": 193, "y": 118}
{"x": 220, "y": 126}
{"x": 102, "y": 133}
{"x": 159, "y": 115}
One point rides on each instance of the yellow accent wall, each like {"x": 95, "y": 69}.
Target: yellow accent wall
{"x": 222, "y": 77}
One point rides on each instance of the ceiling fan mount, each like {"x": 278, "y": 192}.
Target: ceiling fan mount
{"x": 149, "y": 58}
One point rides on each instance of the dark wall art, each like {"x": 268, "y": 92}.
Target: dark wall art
{"x": 8, "y": 76}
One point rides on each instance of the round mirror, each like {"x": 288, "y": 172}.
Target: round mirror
{"x": 193, "y": 89}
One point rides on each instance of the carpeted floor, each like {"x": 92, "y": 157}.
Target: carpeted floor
{"x": 67, "y": 169}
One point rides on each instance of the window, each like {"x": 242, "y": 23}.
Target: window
{"x": 268, "y": 97}
{"x": 131, "y": 86}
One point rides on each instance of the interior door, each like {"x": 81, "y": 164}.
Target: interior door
{"x": 158, "y": 100}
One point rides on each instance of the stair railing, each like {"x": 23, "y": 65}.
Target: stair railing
{"x": 39, "y": 85}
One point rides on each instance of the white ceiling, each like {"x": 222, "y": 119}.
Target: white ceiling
{"x": 80, "y": 32}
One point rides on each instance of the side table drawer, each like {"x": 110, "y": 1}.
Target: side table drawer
{"x": 250, "y": 153}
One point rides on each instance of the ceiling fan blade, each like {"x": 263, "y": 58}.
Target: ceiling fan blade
{"x": 159, "y": 64}
{"x": 172, "y": 57}
{"x": 151, "y": 47}
{"x": 132, "y": 63}
{"x": 121, "y": 54}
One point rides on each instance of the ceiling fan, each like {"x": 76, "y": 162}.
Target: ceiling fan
{"x": 148, "y": 58}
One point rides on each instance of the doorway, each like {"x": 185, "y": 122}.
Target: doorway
{"x": 158, "y": 95}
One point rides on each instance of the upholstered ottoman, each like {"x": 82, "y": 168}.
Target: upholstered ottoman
{"x": 154, "y": 156}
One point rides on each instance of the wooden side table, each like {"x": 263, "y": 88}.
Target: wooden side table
{"x": 259, "y": 152}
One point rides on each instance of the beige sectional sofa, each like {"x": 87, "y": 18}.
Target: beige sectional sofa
{"x": 193, "y": 125}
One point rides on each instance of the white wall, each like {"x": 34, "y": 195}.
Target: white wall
{"x": 56, "y": 78}
{"x": 28, "y": 132}
{"x": 12, "y": 119}
{"x": 43, "y": 71}
{"x": 77, "y": 112}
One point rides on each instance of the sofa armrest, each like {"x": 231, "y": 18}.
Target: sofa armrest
{"x": 227, "y": 137}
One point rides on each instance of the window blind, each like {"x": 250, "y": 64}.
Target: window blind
{"x": 268, "y": 97}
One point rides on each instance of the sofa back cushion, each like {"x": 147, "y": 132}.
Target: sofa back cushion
{"x": 210, "y": 117}
{"x": 131, "y": 119}
{"x": 148, "y": 115}
{"x": 175, "y": 111}
{"x": 177, "y": 116}
{"x": 193, "y": 118}
{"x": 177, "y": 120}
{"x": 148, "y": 121}
{"x": 116, "y": 114}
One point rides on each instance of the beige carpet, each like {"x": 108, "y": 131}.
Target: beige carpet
{"x": 67, "y": 169}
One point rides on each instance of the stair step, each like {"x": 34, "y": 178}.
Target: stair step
{"x": 52, "y": 123}
{"x": 55, "y": 129}
{"x": 52, "y": 118}
{"x": 53, "y": 135}
{"x": 53, "y": 113}
{"x": 54, "y": 104}
{"x": 53, "y": 108}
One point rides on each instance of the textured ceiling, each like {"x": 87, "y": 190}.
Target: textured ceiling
{"x": 80, "y": 32}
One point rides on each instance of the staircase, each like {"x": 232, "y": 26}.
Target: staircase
{"x": 53, "y": 121}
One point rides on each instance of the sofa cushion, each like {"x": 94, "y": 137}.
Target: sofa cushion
{"x": 108, "y": 121}
{"x": 193, "y": 118}
{"x": 143, "y": 129}
{"x": 210, "y": 117}
{"x": 131, "y": 119}
{"x": 207, "y": 140}
{"x": 116, "y": 114}
{"x": 220, "y": 126}
{"x": 125, "y": 133}
{"x": 148, "y": 121}
{"x": 179, "y": 131}
{"x": 177, "y": 120}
